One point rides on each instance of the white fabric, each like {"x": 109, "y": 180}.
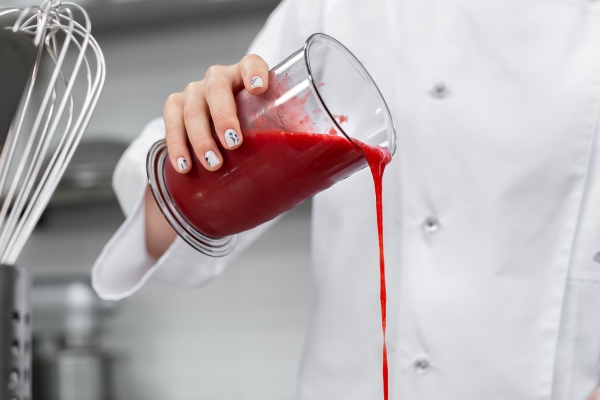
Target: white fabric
{"x": 502, "y": 301}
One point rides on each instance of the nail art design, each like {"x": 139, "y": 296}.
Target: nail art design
{"x": 182, "y": 164}
{"x": 211, "y": 159}
{"x": 231, "y": 138}
{"x": 256, "y": 81}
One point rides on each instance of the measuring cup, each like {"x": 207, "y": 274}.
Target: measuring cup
{"x": 300, "y": 137}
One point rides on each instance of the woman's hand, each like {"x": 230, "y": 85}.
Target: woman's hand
{"x": 188, "y": 115}
{"x": 188, "y": 118}
{"x": 595, "y": 395}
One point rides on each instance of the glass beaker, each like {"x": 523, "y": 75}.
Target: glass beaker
{"x": 299, "y": 139}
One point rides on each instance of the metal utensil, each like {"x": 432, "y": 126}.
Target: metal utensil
{"x": 15, "y": 333}
{"x": 52, "y": 130}
{"x": 64, "y": 78}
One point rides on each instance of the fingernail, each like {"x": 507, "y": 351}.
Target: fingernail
{"x": 256, "y": 81}
{"x": 211, "y": 159}
{"x": 182, "y": 164}
{"x": 231, "y": 138}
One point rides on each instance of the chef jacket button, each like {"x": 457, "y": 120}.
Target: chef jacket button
{"x": 14, "y": 349}
{"x": 421, "y": 364}
{"x": 431, "y": 224}
{"x": 597, "y": 257}
{"x": 13, "y": 380}
{"x": 439, "y": 91}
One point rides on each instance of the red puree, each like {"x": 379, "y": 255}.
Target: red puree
{"x": 270, "y": 173}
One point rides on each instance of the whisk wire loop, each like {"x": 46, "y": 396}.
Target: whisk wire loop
{"x": 34, "y": 159}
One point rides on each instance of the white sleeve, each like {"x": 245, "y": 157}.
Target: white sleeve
{"x": 124, "y": 264}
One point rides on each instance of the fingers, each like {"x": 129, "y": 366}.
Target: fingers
{"x": 219, "y": 82}
{"x": 187, "y": 119}
{"x": 196, "y": 117}
{"x": 179, "y": 156}
{"x": 188, "y": 115}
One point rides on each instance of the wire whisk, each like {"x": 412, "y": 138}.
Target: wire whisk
{"x": 63, "y": 89}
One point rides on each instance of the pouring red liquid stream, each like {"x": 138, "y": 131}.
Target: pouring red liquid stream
{"x": 270, "y": 173}
{"x": 378, "y": 158}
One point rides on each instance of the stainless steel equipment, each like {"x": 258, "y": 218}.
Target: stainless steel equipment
{"x": 50, "y": 59}
{"x": 15, "y": 334}
{"x": 69, "y": 360}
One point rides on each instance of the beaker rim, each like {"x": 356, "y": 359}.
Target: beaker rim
{"x": 355, "y": 62}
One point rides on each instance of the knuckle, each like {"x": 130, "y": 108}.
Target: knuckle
{"x": 213, "y": 71}
{"x": 212, "y": 89}
{"x": 251, "y": 59}
{"x": 216, "y": 87}
{"x": 193, "y": 87}
{"x": 253, "y": 63}
{"x": 172, "y": 127}
{"x": 193, "y": 112}
{"x": 174, "y": 146}
{"x": 224, "y": 117}
{"x": 201, "y": 143}
{"x": 173, "y": 99}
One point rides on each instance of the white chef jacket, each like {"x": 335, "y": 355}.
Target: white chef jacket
{"x": 492, "y": 205}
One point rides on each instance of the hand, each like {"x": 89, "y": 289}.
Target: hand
{"x": 188, "y": 118}
{"x": 595, "y": 395}
{"x": 188, "y": 114}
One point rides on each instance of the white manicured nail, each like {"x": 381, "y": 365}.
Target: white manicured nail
{"x": 182, "y": 164}
{"x": 256, "y": 81}
{"x": 211, "y": 159}
{"x": 231, "y": 138}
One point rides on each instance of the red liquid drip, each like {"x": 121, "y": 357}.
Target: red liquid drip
{"x": 378, "y": 158}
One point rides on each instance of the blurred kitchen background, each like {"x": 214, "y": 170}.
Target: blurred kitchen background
{"x": 239, "y": 337}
